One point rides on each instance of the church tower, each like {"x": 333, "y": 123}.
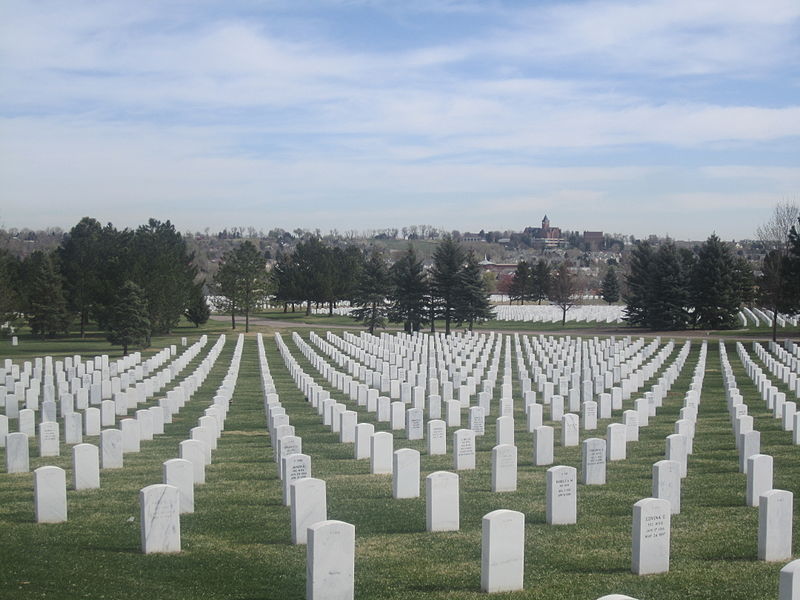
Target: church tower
{"x": 545, "y": 223}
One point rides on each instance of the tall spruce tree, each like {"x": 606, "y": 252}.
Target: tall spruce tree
{"x": 129, "y": 324}
{"x": 371, "y": 292}
{"x": 448, "y": 259}
{"x": 409, "y": 292}
{"x": 638, "y": 279}
{"x": 714, "y": 292}
{"x": 472, "y": 301}
{"x": 47, "y": 306}
{"x": 80, "y": 256}
{"x": 243, "y": 280}
{"x": 522, "y": 283}
{"x": 164, "y": 270}
{"x": 668, "y": 294}
{"x": 610, "y": 290}
{"x": 197, "y": 310}
{"x": 540, "y": 281}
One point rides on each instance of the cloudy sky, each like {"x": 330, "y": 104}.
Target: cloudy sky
{"x": 677, "y": 117}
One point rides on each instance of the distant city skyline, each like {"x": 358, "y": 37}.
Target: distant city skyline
{"x": 670, "y": 117}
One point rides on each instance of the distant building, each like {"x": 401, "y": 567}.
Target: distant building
{"x": 545, "y": 236}
{"x": 594, "y": 239}
{"x": 471, "y": 237}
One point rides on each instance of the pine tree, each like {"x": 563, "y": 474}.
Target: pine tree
{"x": 243, "y": 280}
{"x": 371, "y": 292}
{"x": 197, "y": 311}
{"x": 668, "y": 295}
{"x": 610, "y": 286}
{"x": 129, "y": 324}
{"x": 409, "y": 292}
{"x": 80, "y": 256}
{"x": 164, "y": 271}
{"x": 445, "y": 278}
{"x": 521, "y": 283}
{"x": 472, "y": 301}
{"x": 47, "y": 307}
{"x": 540, "y": 282}
{"x": 714, "y": 294}
{"x": 637, "y": 299}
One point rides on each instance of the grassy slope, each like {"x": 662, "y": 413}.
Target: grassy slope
{"x": 236, "y": 545}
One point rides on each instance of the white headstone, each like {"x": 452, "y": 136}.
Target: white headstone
{"x": 543, "y": 446}
{"x": 160, "y": 519}
{"x": 49, "y": 439}
{"x": 562, "y": 495}
{"x": 50, "y": 494}
{"x": 405, "y": 473}
{"x": 437, "y": 437}
{"x": 593, "y": 461}
{"x": 504, "y": 468}
{"x": 17, "y": 453}
{"x": 775, "y": 525}
{"x": 759, "y": 478}
{"x": 111, "y": 449}
{"x": 502, "y": 551}
{"x": 330, "y": 561}
{"x": 651, "y": 535}
{"x": 295, "y": 466}
{"x": 364, "y": 432}
{"x": 464, "y": 449}
{"x": 85, "y": 466}
{"x": 789, "y": 584}
{"x": 179, "y": 472}
{"x": 309, "y": 505}
{"x": 195, "y": 451}
{"x": 381, "y": 451}
{"x": 667, "y": 483}
{"x": 442, "y": 502}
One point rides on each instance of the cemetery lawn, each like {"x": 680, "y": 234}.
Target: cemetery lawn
{"x": 236, "y": 545}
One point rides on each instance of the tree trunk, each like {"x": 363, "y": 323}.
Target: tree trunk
{"x": 447, "y": 321}
{"x": 247, "y": 320}
{"x": 233, "y": 319}
{"x": 124, "y": 349}
{"x": 308, "y": 307}
{"x": 286, "y": 307}
{"x": 563, "y": 316}
{"x": 775, "y": 324}
{"x": 330, "y": 309}
{"x": 84, "y": 319}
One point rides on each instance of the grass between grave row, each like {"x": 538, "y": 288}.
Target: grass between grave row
{"x": 237, "y": 544}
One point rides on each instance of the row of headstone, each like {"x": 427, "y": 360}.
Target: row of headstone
{"x": 162, "y": 504}
{"x": 774, "y": 399}
{"x": 50, "y": 487}
{"x": 113, "y": 442}
{"x": 775, "y": 507}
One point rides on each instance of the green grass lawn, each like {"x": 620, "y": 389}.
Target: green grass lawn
{"x": 237, "y": 543}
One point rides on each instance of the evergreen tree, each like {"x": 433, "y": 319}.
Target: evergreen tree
{"x": 345, "y": 264}
{"x": 638, "y": 297}
{"x": 129, "y": 324}
{"x": 745, "y": 280}
{"x": 522, "y": 283}
{"x": 10, "y": 300}
{"x": 47, "y": 307}
{"x": 312, "y": 265}
{"x": 714, "y": 292}
{"x": 446, "y": 279}
{"x": 80, "y": 256}
{"x": 564, "y": 290}
{"x": 197, "y": 311}
{"x": 668, "y": 295}
{"x": 164, "y": 270}
{"x": 472, "y": 301}
{"x": 284, "y": 281}
{"x": 409, "y": 292}
{"x": 372, "y": 289}
{"x": 243, "y": 280}
{"x": 775, "y": 288}
{"x": 610, "y": 290}
{"x": 226, "y": 286}
{"x": 540, "y": 282}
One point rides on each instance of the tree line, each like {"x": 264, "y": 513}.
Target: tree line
{"x": 130, "y": 282}
{"x": 315, "y": 274}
